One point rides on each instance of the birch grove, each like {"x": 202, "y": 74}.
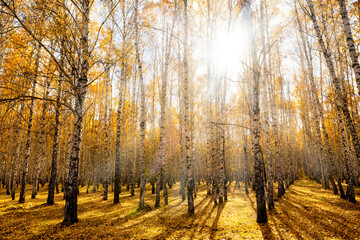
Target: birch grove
{"x": 118, "y": 97}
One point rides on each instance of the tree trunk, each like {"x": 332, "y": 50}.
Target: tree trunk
{"x": 208, "y": 103}
{"x": 120, "y": 114}
{"x": 350, "y": 194}
{"x": 269, "y": 157}
{"x": 259, "y": 174}
{"x": 308, "y": 57}
{"x": 4, "y": 165}
{"x": 28, "y": 136}
{"x": 16, "y": 153}
{"x": 54, "y": 160}
{"x": 162, "y": 124}
{"x": 68, "y": 152}
{"x": 354, "y": 56}
{"x": 143, "y": 112}
{"x": 190, "y": 184}
{"x": 278, "y": 157}
{"x": 246, "y": 172}
{"x": 42, "y": 145}
{"x": 133, "y": 136}
{"x": 71, "y": 189}
{"x": 181, "y": 135}
{"x": 340, "y": 100}
{"x": 106, "y": 131}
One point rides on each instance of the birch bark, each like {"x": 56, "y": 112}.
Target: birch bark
{"x": 71, "y": 189}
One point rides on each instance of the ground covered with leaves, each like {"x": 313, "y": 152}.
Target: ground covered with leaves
{"x": 305, "y": 212}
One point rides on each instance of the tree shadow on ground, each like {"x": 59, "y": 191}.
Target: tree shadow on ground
{"x": 302, "y": 213}
{"x": 170, "y": 224}
{"x": 214, "y": 226}
{"x": 251, "y": 202}
{"x": 194, "y": 223}
{"x": 266, "y": 231}
{"x": 306, "y": 214}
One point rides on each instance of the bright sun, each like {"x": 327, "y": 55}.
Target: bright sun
{"x": 228, "y": 50}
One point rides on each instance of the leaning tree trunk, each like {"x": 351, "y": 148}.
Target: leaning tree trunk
{"x": 350, "y": 42}
{"x": 320, "y": 109}
{"x": 350, "y": 188}
{"x": 340, "y": 100}
{"x": 71, "y": 189}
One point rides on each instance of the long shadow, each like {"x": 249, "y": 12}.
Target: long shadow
{"x": 251, "y": 202}
{"x": 97, "y": 220}
{"x": 320, "y": 218}
{"x": 53, "y": 212}
{"x": 183, "y": 221}
{"x": 288, "y": 224}
{"x": 132, "y": 216}
{"x": 264, "y": 227}
{"x": 207, "y": 217}
{"x": 319, "y": 212}
{"x": 343, "y": 204}
{"x": 301, "y": 215}
{"x": 45, "y": 212}
{"x": 214, "y": 228}
{"x": 55, "y": 228}
{"x": 202, "y": 223}
{"x": 266, "y": 231}
{"x": 39, "y": 213}
{"x": 274, "y": 220}
{"x": 42, "y": 206}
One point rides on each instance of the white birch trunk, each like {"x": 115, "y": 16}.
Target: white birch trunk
{"x": 80, "y": 91}
{"x": 142, "y": 112}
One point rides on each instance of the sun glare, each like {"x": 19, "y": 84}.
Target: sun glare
{"x": 228, "y": 50}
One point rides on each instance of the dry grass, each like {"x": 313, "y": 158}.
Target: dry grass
{"x": 305, "y": 212}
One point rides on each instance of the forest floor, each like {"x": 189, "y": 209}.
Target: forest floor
{"x": 307, "y": 211}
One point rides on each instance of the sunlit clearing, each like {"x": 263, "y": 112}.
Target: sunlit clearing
{"x": 228, "y": 50}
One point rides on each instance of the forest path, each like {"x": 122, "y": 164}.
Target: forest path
{"x": 305, "y": 212}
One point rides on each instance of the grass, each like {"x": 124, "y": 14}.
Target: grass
{"x": 305, "y": 212}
